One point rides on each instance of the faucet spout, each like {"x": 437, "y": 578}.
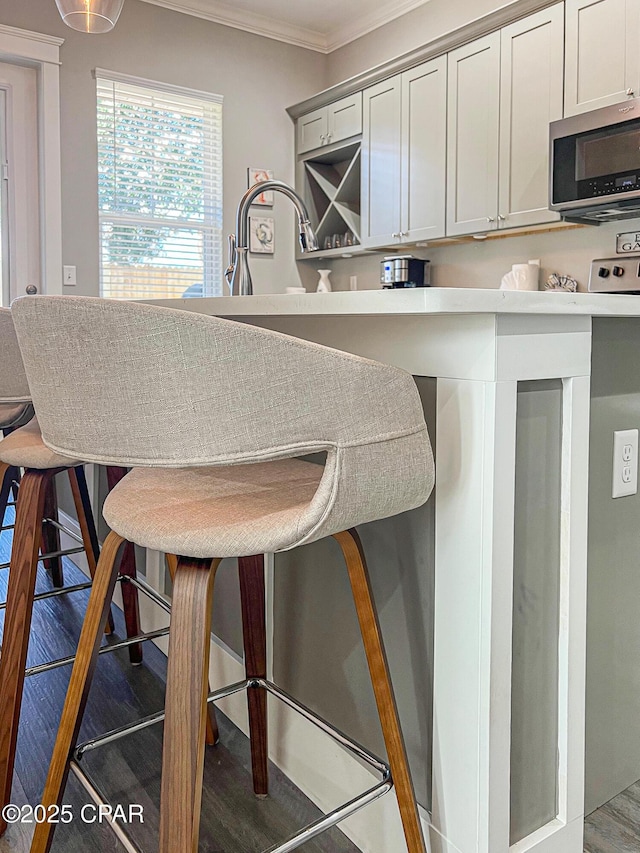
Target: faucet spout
{"x": 237, "y": 273}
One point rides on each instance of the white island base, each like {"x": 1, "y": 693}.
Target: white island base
{"x": 479, "y": 345}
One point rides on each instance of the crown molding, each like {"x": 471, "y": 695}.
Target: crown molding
{"x": 342, "y": 35}
{"x": 251, "y": 22}
{"x": 222, "y": 13}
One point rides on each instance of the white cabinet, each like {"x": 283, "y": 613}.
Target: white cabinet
{"x": 473, "y": 136}
{"x": 424, "y": 151}
{"x": 602, "y": 53}
{"x": 504, "y": 89}
{"x": 530, "y": 97}
{"x": 330, "y": 124}
{"x": 403, "y": 157}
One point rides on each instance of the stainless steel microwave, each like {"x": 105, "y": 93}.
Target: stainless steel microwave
{"x": 595, "y": 164}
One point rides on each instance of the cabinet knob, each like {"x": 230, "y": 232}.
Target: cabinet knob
{"x": 395, "y": 234}
{"x": 501, "y": 217}
{"x": 630, "y": 92}
{"x": 491, "y": 219}
{"x": 329, "y": 135}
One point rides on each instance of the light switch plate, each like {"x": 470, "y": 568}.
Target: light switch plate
{"x": 68, "y": 275}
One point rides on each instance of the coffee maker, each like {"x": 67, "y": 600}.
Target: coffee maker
{"x": 404, "y": 271}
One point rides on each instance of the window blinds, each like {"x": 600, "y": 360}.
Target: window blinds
{"x": 159, "y": 191}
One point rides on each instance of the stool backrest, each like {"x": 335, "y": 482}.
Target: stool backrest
{"x": 130, "y": 384}
{"x": 14, "y": 387}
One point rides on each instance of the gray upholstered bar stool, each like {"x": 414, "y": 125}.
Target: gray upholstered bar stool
{"x": 212, "y": 414}
{"x": 36, "y": 530}
{"x": 15, "y": 406}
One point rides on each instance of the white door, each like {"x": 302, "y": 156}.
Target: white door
{"x": 380, "y": 202}
{"x": 531, "y": 71}
{"x": 19, "y": 172}
{"x": 473, "y": 124}
{"x": 603, "y": 59}
{"x": 424, "y": 151}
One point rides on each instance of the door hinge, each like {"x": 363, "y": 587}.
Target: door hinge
{"x": 5, "y": 171}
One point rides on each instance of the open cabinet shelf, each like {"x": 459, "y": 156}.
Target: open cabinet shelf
{"x": 330, "y": 184}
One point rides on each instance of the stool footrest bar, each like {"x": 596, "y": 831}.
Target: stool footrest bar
{"x": 308, "y": 832}
{"x": 332, "y": 818}
{"x": 52, "y": 593}
{"x": 99, "y": 800}
{"x": 145, "y": 722}
{"x": 343, "y": 739}
{"x": 149, "y": 591}
{"x": 71, "y": 533}
{"x": 112, "y": 647}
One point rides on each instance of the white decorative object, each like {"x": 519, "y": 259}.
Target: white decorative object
{"x": 521, "y": 277}
{"x": 324, "y": 285}
{"x": 261, "y": 234}
{"x": 561, "y": 282}
{"x": 256, "y": 176}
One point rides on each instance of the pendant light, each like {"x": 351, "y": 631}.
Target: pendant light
{"x": 90, "y": 16}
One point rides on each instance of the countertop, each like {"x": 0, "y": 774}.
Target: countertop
{"x": 428, "y": 300}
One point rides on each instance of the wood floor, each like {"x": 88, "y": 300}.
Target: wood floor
{"x": 128, "y": 772}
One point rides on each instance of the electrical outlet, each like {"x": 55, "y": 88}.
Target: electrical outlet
{"x": 353, "y": 282}
{"x": 68, "y": 275}
{"x": 625, "y": 463}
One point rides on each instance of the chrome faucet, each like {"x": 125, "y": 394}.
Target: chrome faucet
{"x": 237, "y": 273}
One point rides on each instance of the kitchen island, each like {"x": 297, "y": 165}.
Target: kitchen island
{"x": 485, "y": 351}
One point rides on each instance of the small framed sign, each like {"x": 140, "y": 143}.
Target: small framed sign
{"x": 628, "y": 243}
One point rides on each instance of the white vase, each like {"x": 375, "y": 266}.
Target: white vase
{"x": 324, "y": 285}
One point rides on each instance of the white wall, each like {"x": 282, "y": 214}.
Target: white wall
{"x": 258, "y": 77}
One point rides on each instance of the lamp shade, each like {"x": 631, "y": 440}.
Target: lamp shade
{"x": 90, "y": 16}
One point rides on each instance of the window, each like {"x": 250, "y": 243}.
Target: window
{"x": 159, "y": 190}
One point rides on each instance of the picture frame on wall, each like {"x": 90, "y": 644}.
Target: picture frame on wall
{"x": 261, "y": 235}
{"x": 256, "y": 176}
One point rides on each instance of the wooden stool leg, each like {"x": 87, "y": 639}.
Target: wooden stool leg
{"x": 86, "y": 657}
{"x": 252, "y": 594}
{"x": 51, "y": 535}
{"x": 185, "y": 707}
{"x": 80, "y": 492}
{"x": 213, "y": 733}
{"x": 128, "y": 568}
{"x": 351, "y": 546}
{"x": 7, "y": 475}
{"x": 22, "y": 580}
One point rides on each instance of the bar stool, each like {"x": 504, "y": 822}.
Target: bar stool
{"x": 36, "y": 528}
{"x": 15, "y": 406}
{"x": 212, "y": 414}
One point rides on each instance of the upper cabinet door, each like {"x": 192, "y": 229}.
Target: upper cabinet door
{"x": 380, "y": 202}
{"x": 530, "y": 97}
{"x": 473, "y": 113}
{"x": 424, "y": 151}
{"x": 330, "y": 124}
{"x": 603, "y": 57}
{"x": 345, "y": 118}
{"x": 312, "y": 130}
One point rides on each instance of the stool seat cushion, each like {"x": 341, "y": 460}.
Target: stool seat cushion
{"x": 12, "y": 413}
{"x": 230, "y": 511}
{"x": 25, "y": 448}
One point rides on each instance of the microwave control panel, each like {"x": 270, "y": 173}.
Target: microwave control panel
{"x": 615, "y": 275}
